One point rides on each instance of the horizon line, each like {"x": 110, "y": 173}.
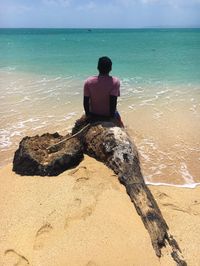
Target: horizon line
{"x": 113, "y": 28}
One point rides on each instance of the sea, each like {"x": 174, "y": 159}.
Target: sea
{"x": 42, "y": 72}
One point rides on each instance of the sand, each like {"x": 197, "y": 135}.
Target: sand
{"x": 84, "y": 217}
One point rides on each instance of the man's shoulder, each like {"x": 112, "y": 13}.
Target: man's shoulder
{"x": 116, "y": 80}
{"x": 91, "y": 79}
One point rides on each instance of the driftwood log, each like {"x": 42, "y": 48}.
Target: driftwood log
{"x": 33, "y": 158}
{"x": 111, "y": 145}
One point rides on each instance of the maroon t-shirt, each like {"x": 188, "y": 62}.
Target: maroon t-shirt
{"x": 99, "y": 88}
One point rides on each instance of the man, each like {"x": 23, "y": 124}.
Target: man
{"x": 101, "y": 92}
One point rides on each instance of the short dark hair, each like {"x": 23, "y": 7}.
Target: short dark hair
{"x": 104, "y": 65}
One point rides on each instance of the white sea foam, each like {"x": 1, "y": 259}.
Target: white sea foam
{"x": 132, "y": 106}
{"x": 22, "y": 124}
{"x": 137, "y": 91}
{"x": 26, "y": 98}
{"x": 146, "y": 103}
{"x": 8, "y": 69}
{"x": 5, "y": 141}
{"x": 193, "y": 185}
{"x": 147, "y": 142}
{"x": 194, "y": 108}
{"x": 153, "y": 99}
{"x": 144, "y": 156}
{"x": 68, "y": 116}
{"x": 6, "y": 112}
{"x": 57, "y": 78}
{"x": 149, "y": 101}
{"x": 42, "y": 98}
{"x": 38, "y": 127}
{"x": 162, "y": 92}
{"x": 185, "y": 173}
{"x": 158, "y": 115}
{"x": 15, "y": 133}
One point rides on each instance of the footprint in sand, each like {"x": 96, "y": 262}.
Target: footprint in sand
{"x": 82, "y": 175}
{"x": 12, "y": 258}
{"x": 82, "y": 170}
{"x": 168, "y": 202}
{"x": 162, "y": 195}
{"x": 79, "y": 215}
{"x": 79, "y": 210}
{"x": 42, "y": 235}
{"x": 91, "y": 263}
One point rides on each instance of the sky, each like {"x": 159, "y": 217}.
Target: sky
{"x": 99, "y": 13}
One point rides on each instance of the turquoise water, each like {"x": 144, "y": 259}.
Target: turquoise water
{"x": 41, "y": 83}
{"x": 146, "y": 55}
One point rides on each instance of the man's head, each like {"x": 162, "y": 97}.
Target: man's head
{"x": 104, "y": 65}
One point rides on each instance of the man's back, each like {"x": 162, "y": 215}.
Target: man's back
{"x": 99, "y": 89}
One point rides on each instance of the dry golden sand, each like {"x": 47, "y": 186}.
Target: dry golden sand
{"x": 84, "y": 217}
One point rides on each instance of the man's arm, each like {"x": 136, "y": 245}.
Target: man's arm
{"x": 113, "y": 105}
{"x": 86, "y": 104}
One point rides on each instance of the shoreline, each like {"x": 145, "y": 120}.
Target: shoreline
{"x": 148, "y": 183}
{"x": 84, "y": 217}
{"x": 163, "y": 122}
{"x": 188, "y": 186}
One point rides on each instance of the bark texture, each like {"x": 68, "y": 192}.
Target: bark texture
{"x": 33, "y": 158}
{"x": 112, "y": 146}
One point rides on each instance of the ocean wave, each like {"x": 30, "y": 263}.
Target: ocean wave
{"x": 8, "y": 69}
{"x": 192, "y": 185}
{"x": 186, "y": 174}
{"x": 132, "y": 106}
{"x": 68, "y": 117}
{"x": 149, "y": 101}
{"x": 163, "y": 92}
{"x": 26, "y": 98}
{"x": 158, "y": 115}
{"x": 5, "y": 141}
{"x": 38, "y": 127}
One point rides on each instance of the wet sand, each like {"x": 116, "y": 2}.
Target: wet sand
{"x": 164, "y": 122}
{"x": 169, "y": 147}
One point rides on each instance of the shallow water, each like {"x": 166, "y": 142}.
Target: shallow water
{"x": 41, "y": 78}
{"x": 163, "y": 120}
{"x": 166, "y": 131}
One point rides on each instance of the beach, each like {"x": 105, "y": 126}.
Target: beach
{"x": 42, "y": 72}
{"x": 85, "y": 217}
{"x": 163, "y": 121}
